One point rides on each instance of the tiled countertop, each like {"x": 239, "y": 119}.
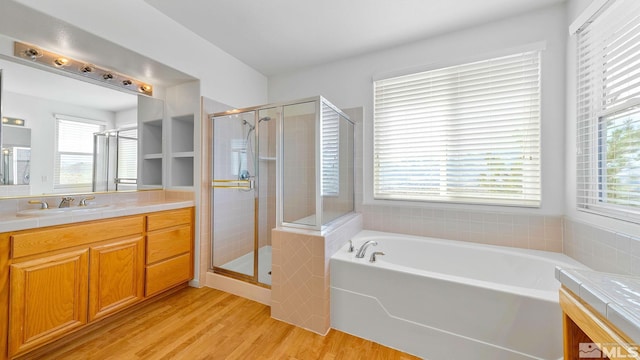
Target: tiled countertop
{"x": 14, "y": 223}
{"x": 616, "y": 297}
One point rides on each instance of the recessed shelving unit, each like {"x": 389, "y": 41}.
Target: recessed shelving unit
{"x": 151, "y": 154}
{"x": 182, "y": 154}
{"x": 151, "y": 135}
{"x": 182, "y": 168}
{"x": 168, "y": 152}
{"x": 152, "y": 172}
{"x": 182, "y": 134}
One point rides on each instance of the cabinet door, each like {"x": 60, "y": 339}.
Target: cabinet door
{"x": 48, "y": 299}
{"x": 117, "y": 276}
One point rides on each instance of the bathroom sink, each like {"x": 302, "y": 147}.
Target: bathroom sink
{"x": 74, "y": 210}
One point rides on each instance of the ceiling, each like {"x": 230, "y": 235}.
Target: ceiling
{"x": 279, "y": 36}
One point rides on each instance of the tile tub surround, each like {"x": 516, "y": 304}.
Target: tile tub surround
{"x": 300, "y": 289}
{"x": 602, "y": 249}
{"x": 614, "y": 296}
{"x": 128, "y": 203}
{"x": 535, "y": 232}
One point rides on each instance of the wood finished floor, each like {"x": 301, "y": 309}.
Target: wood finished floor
{"x": 210, "y": 324}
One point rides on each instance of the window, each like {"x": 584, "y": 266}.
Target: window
{"x": 608, "y": 112}
{"x": 74, "y": 152}
{"x": 330, "y": 151}
{"x": 465, "y": 134}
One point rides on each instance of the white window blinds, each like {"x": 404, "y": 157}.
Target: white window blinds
{"x": 73, "y": 166}
{"x": 330, "y": 151}
{"x": 467, "y": 133}
{"x": 608, "y": 111}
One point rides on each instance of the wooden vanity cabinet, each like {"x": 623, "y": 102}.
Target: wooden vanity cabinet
{"x": 63, "y": 277}
{"x": 169, "y": 259}
{"x": 57, "y": 280}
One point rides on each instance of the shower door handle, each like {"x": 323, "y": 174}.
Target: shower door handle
{"x": 233, "y": 184}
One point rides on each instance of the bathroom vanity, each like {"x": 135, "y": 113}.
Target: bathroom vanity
{"x": 600, "y": 314}
{"x": 59, "y": 279}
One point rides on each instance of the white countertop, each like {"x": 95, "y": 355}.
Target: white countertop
{"x": 614, "y": 296}
{"x": 14, "y": 223}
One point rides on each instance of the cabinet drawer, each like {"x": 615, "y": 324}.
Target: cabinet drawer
{"x": 168, "y": 218}
{"x": 164, "y": 244}
{"x": 168, "y": 273}
{"x": 50, "y": 239}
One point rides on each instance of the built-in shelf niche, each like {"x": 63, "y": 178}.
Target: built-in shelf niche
{"x": 151, "y": 144}
{"x": 152, "y": 135}
{"x": 182, "y": 171}
{"x": 152, "y": 172}
{"x": 182, "y": 139}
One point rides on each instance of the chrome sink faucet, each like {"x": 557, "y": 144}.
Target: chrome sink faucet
{"x": 66, "y": 202}
{"x": 363, "y": 248}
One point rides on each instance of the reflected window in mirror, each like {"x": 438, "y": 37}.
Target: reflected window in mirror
{"x": 74, "y": 152}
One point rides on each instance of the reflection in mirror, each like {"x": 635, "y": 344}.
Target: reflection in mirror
{"x": 115, "y": 159}
{"x": 62, "y": 115}
{"x": 16, "y": 155}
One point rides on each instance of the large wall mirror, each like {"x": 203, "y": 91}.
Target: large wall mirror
{"x": 62, "y": 135}
{"x": 70, "y": 128}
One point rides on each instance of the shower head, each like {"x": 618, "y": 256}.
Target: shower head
{"x": 245, "y": 122}
{"x": 266, "y": 118}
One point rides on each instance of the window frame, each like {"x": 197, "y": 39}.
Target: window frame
{"x": 57, "y": 153}
{"x": 591, "y": 183}
{"x": 369, "y": 191}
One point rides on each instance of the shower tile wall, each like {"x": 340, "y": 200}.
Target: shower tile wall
{"x": 299, "y": 172}
{"x": 234, "y": 237}
{"x": 267, "y": 179}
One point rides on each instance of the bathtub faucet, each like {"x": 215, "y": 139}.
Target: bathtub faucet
{"x": 363, "y": 248}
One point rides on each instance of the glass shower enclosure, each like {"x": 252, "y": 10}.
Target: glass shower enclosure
{"x": 288, "y": 164}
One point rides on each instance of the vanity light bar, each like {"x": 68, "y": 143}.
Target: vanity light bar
{"x": 60, "y": 62}
{"x": 12, "y": 121}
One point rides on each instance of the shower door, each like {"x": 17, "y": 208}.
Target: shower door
{"x": 234, "y": 196}
{"x": 243, "y": 194}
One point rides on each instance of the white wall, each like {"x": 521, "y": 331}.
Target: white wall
{"x": 126, "y": 117}
{"x": 575, "y": 8}
{"x": 38, "y": 116}
{"x": 348, "y": 83}
{"x": 152, "y": 34}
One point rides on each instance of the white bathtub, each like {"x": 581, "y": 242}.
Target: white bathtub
{"x": 442, "y": 299}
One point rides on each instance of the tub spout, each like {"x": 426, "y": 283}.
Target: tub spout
{"x": 363, "y": 248}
